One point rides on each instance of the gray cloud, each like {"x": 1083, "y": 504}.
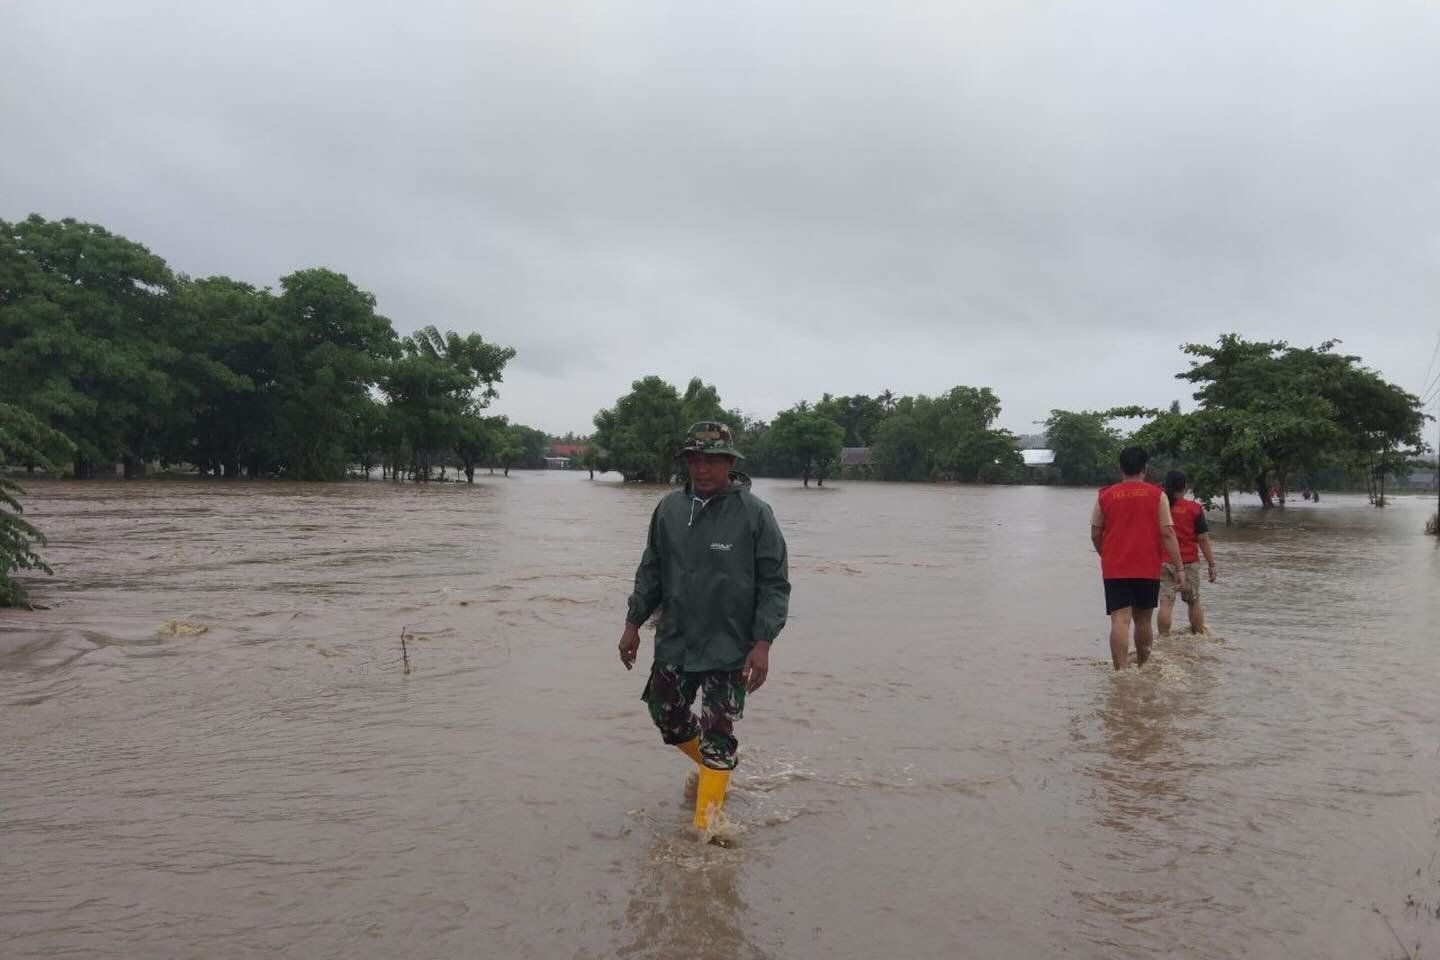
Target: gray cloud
{"x": 781, "y": 198}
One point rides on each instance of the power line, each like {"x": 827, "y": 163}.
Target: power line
{"x": 1430, "y": 369}
{"x": 1431, "y": 390}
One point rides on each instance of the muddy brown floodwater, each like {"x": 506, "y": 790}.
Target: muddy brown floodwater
{"x": 942, "y": 764}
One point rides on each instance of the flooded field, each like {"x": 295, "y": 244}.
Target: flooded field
{"x": 212, "y": 749}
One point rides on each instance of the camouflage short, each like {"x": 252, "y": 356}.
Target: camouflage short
{"x": 1190, "y": 592}
{"x": 670, "y": 692}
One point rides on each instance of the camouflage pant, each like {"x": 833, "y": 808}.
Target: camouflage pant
{"x": 670, "y": 692}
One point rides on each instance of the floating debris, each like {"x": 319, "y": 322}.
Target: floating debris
{"x": 174, "y": 629}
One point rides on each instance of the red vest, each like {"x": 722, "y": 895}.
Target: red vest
{"x": 1183, "y": 513}
{"x": 1130, "y": 542}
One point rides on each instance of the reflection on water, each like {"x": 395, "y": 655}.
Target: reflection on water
{"x": 212, "y": 748}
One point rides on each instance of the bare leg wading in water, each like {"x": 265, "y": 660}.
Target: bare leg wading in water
{"x": 1132, "y": 531}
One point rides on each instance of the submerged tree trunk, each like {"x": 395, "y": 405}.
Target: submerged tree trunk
{"x": 1226, "y": 489}
{"x": 83, "y": 469}
{"x": 1262, "y": 488}
{"x": 469, "y": 473}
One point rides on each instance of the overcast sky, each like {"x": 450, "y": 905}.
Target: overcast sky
{"x": 783, "y": 198}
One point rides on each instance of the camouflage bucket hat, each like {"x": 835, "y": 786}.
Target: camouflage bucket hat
{"x": 710, "y": 437}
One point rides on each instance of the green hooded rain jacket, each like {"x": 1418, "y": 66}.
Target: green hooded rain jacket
{"x": 721, "y": 571}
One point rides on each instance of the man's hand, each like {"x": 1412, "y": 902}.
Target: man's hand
{"x": 1212, "y": 571}
{"x": 629, "y": 645}
{"x": 1180, "y": 577}
{"x": 757, "y": 666}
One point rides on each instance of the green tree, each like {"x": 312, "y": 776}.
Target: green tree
{"x": 641, "y": 434}
{"x": 437, "y": 389}
{"x": 1085, "y": 446}
{"x": 809, "y": 440}
{"x": 510, "y": 445}
{"x": 701, "y": 402}
{"x": 369, "y": 434}
{"x": 427, "y": 398}
{"x": 477, "y": 441}
{"x": 331, "y": 347}
{"x": 590, "y": 460}
{"x": 1378, "y": 423}
{"x": 901, "y": 449}
{"x": 23, "y": 439}
{"x": 1216, "y": 448}
{"x": 949, "y": 437}
{"x": 224, "y": 377}
{"x": 859, "y": 416}
{"x": 962, "y": 433}
{"x": 1291, "y": 410}
{"x": 81, "y": 337}
{"x": 534, "y": 446}
{"x": 752, "y": 437}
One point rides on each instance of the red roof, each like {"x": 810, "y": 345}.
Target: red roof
{"x": 568, "y": 449}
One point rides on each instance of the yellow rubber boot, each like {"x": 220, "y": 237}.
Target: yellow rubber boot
{"x": 710, "y": 796}
{"x": 691, "y": 749}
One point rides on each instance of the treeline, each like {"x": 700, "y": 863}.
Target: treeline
{"x": 1270, "y": 417}
{"x": 131, "y": 363}
{"x": 949, "y": 437}
{"x": 1273, "y": 417}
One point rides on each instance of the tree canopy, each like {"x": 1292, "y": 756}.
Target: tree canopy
{"x": 808, "y": 441}
{"x": 102, "y": 342}
{"x": 640, "y": 436}
{"x": 1271, "y": 414}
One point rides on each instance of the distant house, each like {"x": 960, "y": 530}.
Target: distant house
{"x": 570, "y": 451}
{"x": 1038, "y": 458}
{"x": 855, "y": 457}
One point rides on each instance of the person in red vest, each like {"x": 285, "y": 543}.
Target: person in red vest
{"x": 1129, "y": 526}
{"x": 1193, "y": 534}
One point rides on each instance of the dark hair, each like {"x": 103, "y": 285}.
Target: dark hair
{"x": 1175, "y": 484}
{"x": 1133, "y": 460}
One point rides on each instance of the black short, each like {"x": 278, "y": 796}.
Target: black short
{"x": 1119, "y": 594}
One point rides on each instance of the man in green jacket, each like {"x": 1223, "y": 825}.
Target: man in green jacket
{"x": 715, "y": 558}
